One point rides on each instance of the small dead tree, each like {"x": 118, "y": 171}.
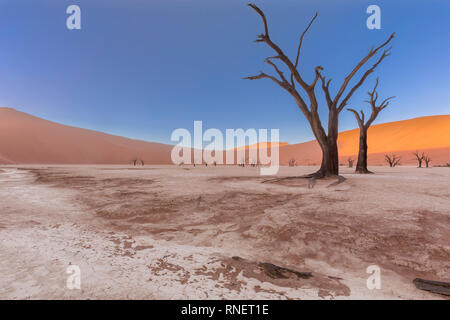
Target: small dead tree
{"x": 350, "y": 162}
{"x": 392, "y": 159}
{"x": 134, "y": 161}
{"x": 361, "y": 165}
{"x": 292, "y": 162}
{"x": 419, "y": 157}
{"x": 427, "y": 160}
{"x": 298, "y": 88}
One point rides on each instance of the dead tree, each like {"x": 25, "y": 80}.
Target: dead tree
{"x": 427, "y": 160}
{"x": 393, "y": 160}
{"x": 292, "y": 162}
{"x": 361, "y": 164}
{"x": 134, "y": 161}
{"x": 350, "y": 162}
{"x": 326, "y": 139}
{"x": 419, "y": 157}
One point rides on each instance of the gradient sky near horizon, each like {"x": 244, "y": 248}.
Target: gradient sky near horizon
{"x": 142, "y": 68}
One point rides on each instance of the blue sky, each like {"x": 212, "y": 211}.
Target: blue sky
{"x": 142, "y": 68}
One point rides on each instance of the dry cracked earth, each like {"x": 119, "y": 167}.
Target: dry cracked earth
{"x": 165, "y": 232}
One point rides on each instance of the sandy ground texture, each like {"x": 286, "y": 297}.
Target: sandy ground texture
{"x": 164, "y": 232}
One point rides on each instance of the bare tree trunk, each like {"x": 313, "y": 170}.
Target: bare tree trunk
{"x": 330, "y": 160}
{"x": 361, "y": 165}
{"x": 328, "y": 144}
{"x": 330, "y": 167}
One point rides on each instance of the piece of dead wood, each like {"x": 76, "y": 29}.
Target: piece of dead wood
{"x": 433, "y": 286}
{"x": 277, "y": 272}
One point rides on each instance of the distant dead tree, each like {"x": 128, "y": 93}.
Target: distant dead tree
{"x": 292, "y": 162}
{"x": 361, "y": 165}
{"x": 326, "y": 139}
{"x": 350, "y": 162}
{"x": 427, "y": 160}
{"x": 142, "y": 162}
{"x": 392, "y": 159}
{"x": 134, "y": 161}
{"x": 419, "y": 157}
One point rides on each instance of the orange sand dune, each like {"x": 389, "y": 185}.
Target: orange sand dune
{"x": 427, "y": 134}
{"x": 420, "y": 133}
{"x": 25, "y": 139}
{"x": 262, "y": 145}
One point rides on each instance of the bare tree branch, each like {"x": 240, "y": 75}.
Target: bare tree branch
{"x": 371, "y": 53}
{"x": 393, "y": 159}
{"x": 325, "y": 87}
{"x": 280, "y": 73}
{"x": 266, "y": 29}
{"x": 300, "y": 42}
{"x": 373, "y": 104}
{"x": 285, "y": 85}
{"x": 263, "y": 75}
{"x": 266, "y": 38}
{"x": 357, "y": 116}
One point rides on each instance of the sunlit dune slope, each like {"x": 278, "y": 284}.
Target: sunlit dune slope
{"x": 26, "y": 139}
{"x": 420, "y": 133}
{"x": 426, "y": 134}
{"x": 262, "y": 145}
